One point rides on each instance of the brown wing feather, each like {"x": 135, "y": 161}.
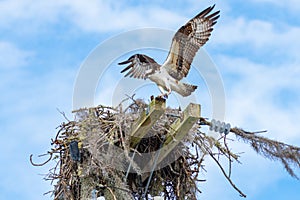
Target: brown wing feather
{"x": 141, "y": 66}
{"x": 187, "y": 41}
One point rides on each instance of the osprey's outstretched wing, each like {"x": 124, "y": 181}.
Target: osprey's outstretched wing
{"x": 141, "y": 66}
{"x": 187, "y": 40}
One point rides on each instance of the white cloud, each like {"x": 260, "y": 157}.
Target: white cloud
{"x": 28, "y": 117}
{"x": 28, "y": 120}
{"x": 26, "y": 14}
{"x": 256, "y": 97}
{"x": 262, "y": 36}
{"x": 12, "y": 56}
{"x": 95, "y": 16}
{"x": 255, "y": 103}
{"x": 103, "y": 16}
{"x": 261, "y": 95}
{"x": 292, "y": 5}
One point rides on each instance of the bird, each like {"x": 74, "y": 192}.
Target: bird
{"x": 185, "y": 44}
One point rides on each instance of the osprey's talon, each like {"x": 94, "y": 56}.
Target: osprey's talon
{"x": 162, "y": 96}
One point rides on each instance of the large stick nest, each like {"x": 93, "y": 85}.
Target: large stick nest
{"x": 93, "y": 156}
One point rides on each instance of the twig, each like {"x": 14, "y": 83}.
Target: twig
{"x": 41, "y": 164}
{"x": 229, "y": 157}
{"x": 63, "y": 114}
{"x": 112, "y": 193}
{"x": 226, "y": 176}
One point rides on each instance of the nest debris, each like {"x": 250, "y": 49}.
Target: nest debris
{"x": 104, "y": 164}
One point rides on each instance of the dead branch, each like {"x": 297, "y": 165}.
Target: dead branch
{"x": 288, "y": 155}
{"x": 41, "y": 164}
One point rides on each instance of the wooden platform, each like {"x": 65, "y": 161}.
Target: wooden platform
{"x": 179, "y": 129}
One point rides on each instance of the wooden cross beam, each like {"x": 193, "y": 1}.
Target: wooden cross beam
{"x": 179, "y": 129}
{"x": 147, "y": 119}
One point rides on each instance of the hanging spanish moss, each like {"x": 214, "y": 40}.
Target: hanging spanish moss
{"x": 288, "y": 155}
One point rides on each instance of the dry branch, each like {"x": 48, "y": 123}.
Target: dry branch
{"x": 288, "y": 155}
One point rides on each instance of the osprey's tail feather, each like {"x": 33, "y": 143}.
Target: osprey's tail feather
{"x": 186, "y": 89}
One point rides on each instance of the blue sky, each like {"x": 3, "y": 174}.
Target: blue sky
{"x": 255, "y": 46}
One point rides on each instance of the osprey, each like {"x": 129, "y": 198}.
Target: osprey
{"x": 185, "y": 44}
